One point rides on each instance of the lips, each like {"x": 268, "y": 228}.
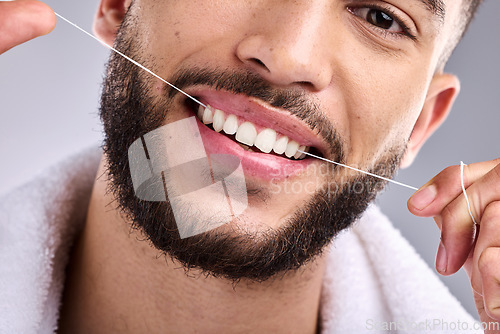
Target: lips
{"x": 267, "y": 140}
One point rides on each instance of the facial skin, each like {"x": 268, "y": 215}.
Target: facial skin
{"x": 354, "y": 73}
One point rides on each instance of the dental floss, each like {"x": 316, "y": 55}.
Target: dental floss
{"x": 195, "y": 100}
{"x": 462, "y": 165}
{"x": 359, "y": 170}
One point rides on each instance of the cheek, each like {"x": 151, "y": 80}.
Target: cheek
{"x": 385, "y": 99}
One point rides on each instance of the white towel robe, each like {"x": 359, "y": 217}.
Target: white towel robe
{"x": 374, "y": 278}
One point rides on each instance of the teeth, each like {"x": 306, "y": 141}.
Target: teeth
{"x": 265, "y": 140}
{"x": 231, "y": 125}
{"x": 300, "y": 155}
{"x": 208, "y": 116}
{"x": 246, "y": 134}
{"x": 280, "y": 145}
{"x": 303, "y": 149}
{"x": 291, "y": 148}
{"x": 201, "y": 111}
{"x": 219, "y": 120}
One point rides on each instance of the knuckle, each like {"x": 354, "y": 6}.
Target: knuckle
{"x": 496, "y": 171}
{"x": 488, "y": 261}
{"x": 494, "y": 207}
{"x": 492, "y": 307}
{"x": 451, "y": 171}
{"x": 496, "y": 179}
{"x": 491, "y": 211}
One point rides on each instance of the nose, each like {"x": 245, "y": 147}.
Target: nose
{"x": 289, "y": 49}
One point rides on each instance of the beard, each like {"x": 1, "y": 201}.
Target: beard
{"x": 129, "y": 110}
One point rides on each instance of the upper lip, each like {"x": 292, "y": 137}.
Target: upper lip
{"x": 260, "y": 113}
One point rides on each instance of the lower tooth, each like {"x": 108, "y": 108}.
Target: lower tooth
{"x": 246, "y": 148}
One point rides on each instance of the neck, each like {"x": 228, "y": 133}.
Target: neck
{"x": 118, "y": 282}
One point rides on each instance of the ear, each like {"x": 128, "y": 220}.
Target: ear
{"x": 109, "y": 16}
{"x": 443, "y": 91}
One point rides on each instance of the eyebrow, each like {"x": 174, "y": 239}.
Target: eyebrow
{"x": 437, "y": 7}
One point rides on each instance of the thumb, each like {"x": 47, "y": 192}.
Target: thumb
{"x": 23, "y": 20}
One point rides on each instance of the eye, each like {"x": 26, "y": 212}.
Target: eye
{"x": 383, "y": 19}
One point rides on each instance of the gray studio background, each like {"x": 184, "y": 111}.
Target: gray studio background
{"x": 49, "y": 91}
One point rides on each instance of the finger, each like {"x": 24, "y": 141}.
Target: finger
{"x": 488, "y": 238}
{"x": 490, "y": 325}
{"x": 458, "y": 230}
{"x": 469, "y": 263}
{"x": 484, "y": 264}
{"x": 490, "y": 277}
{"x": 23, "y": 20}
{"x": 436, "y": 194}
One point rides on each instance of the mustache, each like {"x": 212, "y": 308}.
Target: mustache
{"x": 250, "y": 84}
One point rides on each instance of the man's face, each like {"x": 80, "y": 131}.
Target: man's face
{"x": 346, "y": 79}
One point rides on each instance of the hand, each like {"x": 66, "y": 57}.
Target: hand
{"x": 23, "y": 20}
{"x": 477, "y": 248}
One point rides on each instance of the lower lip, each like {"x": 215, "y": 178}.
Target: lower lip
{"x": 255, "y": 164}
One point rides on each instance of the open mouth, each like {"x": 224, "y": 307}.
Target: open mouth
{"x": 250, "y": 136}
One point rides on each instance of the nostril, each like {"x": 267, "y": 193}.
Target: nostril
{"x": 259, "y": 62}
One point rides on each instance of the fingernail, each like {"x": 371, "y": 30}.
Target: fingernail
{"x": 441, "y": 259}
{"x": 424, "y": 197}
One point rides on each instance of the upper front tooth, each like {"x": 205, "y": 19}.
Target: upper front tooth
{"x": 280, "y": 145}
{"x": 265, "y": 140}
{"x": 219, "y": 119}
{"x": 208, "y": 116}
{"x": 246, "y": 134}
{"x": 291, "y": 148}
{"x": 231, "y": 125}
